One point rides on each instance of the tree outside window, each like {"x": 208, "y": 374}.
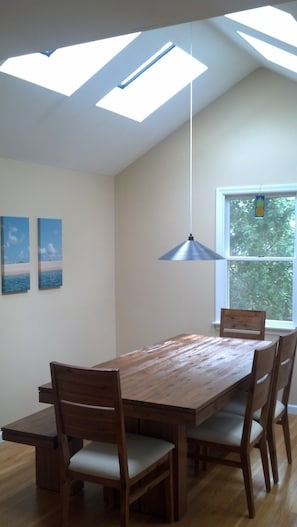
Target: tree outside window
{"x": 260, "y": 267}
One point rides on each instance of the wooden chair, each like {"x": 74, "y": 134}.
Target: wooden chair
{"x": 226, "y": 433}
{"x": 242, "y": 323}
{"x": 280, "y": 397}
{"x": 278, "y": 411}
{"x": 88, "y": 406}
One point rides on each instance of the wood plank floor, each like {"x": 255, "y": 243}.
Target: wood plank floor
{"x": 216, "y": 498}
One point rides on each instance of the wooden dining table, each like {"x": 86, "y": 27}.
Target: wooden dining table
{"x": 176, "y": 383}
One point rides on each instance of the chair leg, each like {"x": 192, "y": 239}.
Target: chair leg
{"x": 197, "y": 459}
{"x": 124, "y": 507}
{"x": 110, "y": 498}
{"x": 169, "y": 500}
{"x": 248, "y": 484}
{"x": 204, "y": 454}
{"x": 285, "y": 424}
{"x": 265, "y": 463}
{"x": 272, "y": 452}
{"x": 65, "y": 493}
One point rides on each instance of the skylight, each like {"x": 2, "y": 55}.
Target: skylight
{"x": 272, "y": 53}
{"x": 270, "y": 21}
{"x": 155, "y": 82}
{"x": 66, "y": 69}
{"x": 275, "y": 23}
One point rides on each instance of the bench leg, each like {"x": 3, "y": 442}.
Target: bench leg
{"x": 47, "y": 467}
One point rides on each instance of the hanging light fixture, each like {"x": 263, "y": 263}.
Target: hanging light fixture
{"x": 191, "y": 249}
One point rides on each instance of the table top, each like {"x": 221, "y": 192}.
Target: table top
{"x": 181, "y": 380}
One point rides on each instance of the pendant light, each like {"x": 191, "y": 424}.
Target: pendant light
{"x": 191, "y": 249}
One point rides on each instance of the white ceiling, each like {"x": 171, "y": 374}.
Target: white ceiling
{"x": 41, "y": 126}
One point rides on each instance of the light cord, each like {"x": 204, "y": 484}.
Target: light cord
{"x": 191, "y": 147}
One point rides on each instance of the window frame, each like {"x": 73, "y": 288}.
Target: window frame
{"x": 223, "y": 195}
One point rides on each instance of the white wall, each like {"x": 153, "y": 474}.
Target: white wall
{"x": 248, "y": 136}
{"x": 75, "y": 323}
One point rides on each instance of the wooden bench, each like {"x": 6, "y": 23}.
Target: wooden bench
{"x": 39, "y": 430}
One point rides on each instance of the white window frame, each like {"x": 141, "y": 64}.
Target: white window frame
{"x": 222, "y": 239}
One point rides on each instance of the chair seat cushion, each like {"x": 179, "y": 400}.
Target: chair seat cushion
{"x": 101, "y": 459}
{"x": 224, "y": 428}
{"x": 279, "y": 408}
{"x": 238, "y": 404}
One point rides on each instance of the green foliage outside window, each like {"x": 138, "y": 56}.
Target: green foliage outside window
{"x": 258, "y": 283}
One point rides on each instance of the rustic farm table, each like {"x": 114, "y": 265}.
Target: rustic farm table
{"x": 179, "y": 382}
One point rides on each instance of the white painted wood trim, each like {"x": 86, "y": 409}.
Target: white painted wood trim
{"x": 292, "y": 409}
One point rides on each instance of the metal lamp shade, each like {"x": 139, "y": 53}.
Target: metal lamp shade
{"x": 191, "y": 250}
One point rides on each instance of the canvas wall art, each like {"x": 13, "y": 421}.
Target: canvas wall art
{"x": 50, "y": 273}
{"x": 15, "y": 254}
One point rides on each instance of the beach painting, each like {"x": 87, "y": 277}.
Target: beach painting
{"x": 50, "y": 273}
{"x": 15, "y": 254}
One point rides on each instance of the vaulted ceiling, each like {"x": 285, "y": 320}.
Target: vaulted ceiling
{"x": 42, "y": 126}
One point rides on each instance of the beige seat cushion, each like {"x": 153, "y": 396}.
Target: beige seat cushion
{"x": 279, "y": 408}
{"x": 238, "y": 404}
{"x": 224, "y": 428}
{"x": 102, "y": 458}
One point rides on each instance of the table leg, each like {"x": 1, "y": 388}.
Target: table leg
{"x": 177, "y": 435}
{"x": 179, "y": 438}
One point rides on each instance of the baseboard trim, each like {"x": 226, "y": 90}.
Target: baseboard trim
{"x": 292, "y": 409}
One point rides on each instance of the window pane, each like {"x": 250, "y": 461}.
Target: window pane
{"x": 272, "y": 235}
{"x": 262, "y": 285}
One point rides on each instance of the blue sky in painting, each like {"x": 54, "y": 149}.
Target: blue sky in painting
{"x": 15, "y": 240}
{"x": 49, "y": 239}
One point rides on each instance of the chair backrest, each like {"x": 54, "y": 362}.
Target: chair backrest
{"x": 284, "y": 367}
{"x": 88, "y": 405}
{"x": 259, "y": 391}
{"x": 242, "y": 323}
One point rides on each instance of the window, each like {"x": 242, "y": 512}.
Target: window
{"x": 155, "y": 82}
{"x": 260, "y": 270}
{"x": 275, "y": 25}
{"x": 65, "y": 70}
{"x": 151, "y": 85}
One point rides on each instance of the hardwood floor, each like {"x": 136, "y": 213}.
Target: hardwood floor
{"x": 216, "y": 498}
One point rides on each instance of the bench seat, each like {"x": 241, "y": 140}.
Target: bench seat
{"x": 39, "y": 430}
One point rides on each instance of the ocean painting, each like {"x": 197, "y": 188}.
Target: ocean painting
{"x": 15, "y": 254}
{"x": 50, "y": 253}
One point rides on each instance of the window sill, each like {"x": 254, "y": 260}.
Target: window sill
{"x": 270, "y": 328}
